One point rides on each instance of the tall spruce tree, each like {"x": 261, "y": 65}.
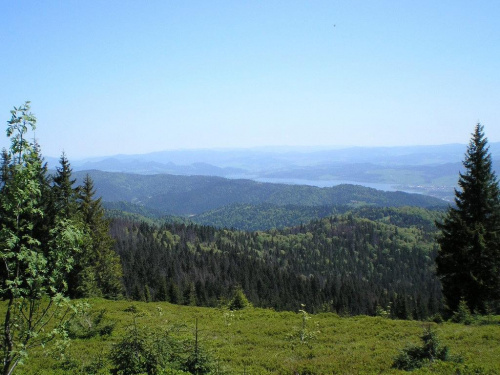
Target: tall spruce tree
{"x": 64, "y": 193}
{"x": 63, "y": 205}
{"x": 101, "y": 271}
{"x": 468, "y": 262}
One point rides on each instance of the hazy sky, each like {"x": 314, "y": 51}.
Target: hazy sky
{"x": 108, "y": 77}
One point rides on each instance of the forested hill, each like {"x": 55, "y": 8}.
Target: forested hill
{"x": 348, "y": 263}
{"x": 268, "y": 216}
{"x": 265, "y": 216}
{"x": 185, "y": 195}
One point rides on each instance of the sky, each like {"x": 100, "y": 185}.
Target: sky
{"x": 126, "y": 77}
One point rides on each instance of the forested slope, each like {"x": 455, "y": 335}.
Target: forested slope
{"x": 348, "y": 263}
{"x": 185, "y": 195}
{"x": 269, "y": 216}
{"x": 264, "y": 216}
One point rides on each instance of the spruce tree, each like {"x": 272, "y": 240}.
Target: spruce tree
{"x": 102, "y": 267}
{"x": 468, "y": 261}
{"x": 65, "y": 194}
{"x": 63, "y": 205}
{"x": 162, "y": 293}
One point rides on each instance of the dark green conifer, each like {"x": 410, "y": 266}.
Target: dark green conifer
{"x": 468, "y": 261}
{"x": 147, "y": 293}
{"x": 43, "y": 223}
{"x": 162, "y": 293}
{"x": 190, "y": 295}
{"x": 99, "y": 257}
{"x": 239, "y": 300}
{"x": 65, "y": 195}
{"x": 174, "y": 294}
{"x": 138, "y": 293}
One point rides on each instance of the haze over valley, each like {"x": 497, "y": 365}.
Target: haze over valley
{"x": 430, "y": 170}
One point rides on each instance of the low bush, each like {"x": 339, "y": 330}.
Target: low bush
{"x": 463, "y": 314}
{"x": 239, "y": 300}
{"x": 88, "y": 324}
{"x": 159, "y": 352}
{"x": 142, "y": 351}
{"x": 413, "y": 357}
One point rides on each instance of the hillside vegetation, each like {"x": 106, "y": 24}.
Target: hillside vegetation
{"x": 260, "y": 341}
{"x": 267, "y": 216}
{"x": 350, "y": 263}
{"x": 264, "y": 216}
{"x": 188, "y": 195}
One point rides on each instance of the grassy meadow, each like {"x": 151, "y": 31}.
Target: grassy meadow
{"x": 262, "y": 341}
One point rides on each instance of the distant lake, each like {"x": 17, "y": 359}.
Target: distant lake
{"x": 330, "y": 183}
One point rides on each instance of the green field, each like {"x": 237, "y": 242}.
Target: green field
{"x": 261, "y": 341}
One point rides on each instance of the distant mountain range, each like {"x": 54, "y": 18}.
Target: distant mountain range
{"x": 431, "y": 170}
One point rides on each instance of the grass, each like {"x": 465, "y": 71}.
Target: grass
{"x": 261, "y": 341}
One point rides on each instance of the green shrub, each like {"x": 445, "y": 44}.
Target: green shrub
{"x": 133, "y": 309}
{"x": 130, "y": 355}
{"x": 171, "y": 371}
{"x": 306, "y": 369}
{"x": 87, "y": 324}
{"x": 463, "y": 314}
{"x": 239, "y": 300}
{"x": 198, "y": 362}
{"x": 143, "y": 351}
{"x": 436, "y": 318}
{"x": 379, "y": 311}
{"x": 413, "y": 357}
{"x": 95, "y": 366}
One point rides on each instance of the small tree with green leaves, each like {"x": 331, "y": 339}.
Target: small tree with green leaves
{"x": 35, "y": 258}
{"x": 303, "y": 335}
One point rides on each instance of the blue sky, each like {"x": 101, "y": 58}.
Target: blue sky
{"x": 109, "y": 77}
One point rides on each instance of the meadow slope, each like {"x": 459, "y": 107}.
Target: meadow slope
{"x": 262, "y": 341}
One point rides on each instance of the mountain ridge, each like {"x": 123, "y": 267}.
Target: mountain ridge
{"x": 430, "y": 170}
{"x": 188, "y": 195}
